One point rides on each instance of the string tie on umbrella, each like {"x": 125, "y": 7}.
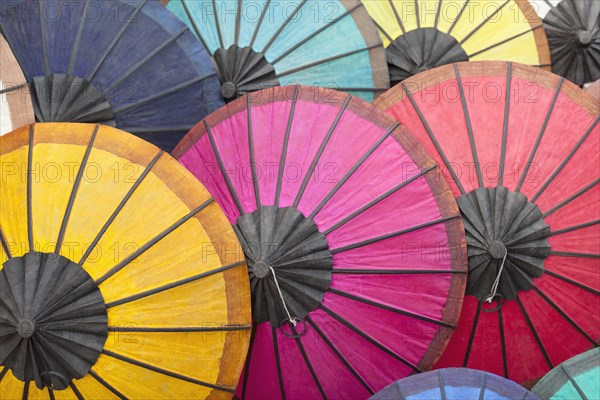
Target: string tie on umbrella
{"x": 497, "y": 281}
{"x": 293, "y": 320}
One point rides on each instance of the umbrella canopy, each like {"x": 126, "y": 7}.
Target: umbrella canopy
{"x": 121, "y": 276}
{"x": 573, "y": 31}
{"x": 576, "y": 378}
{"x": 257, "y": 45}
{"x": 520, "y": 150}
{"x": 454, "y": 383}
{"x": 353, "y": 241}
{"x": 15, "y": 102}
{"x": 422, "y": 34}
{"x": 130, "y": 64}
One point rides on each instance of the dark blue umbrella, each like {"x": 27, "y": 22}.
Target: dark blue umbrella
{"x": 130, "y": 64}
{"x": 454, "y": 384}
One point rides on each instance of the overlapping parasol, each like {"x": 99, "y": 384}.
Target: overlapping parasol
{"x": 520, "y": 150}
{"x": 573, "y": 31}
{"x": 424, "y": 34}
{"x": 454, "y": 383}
{"x": 260, "y": 44}
{"x": 354, "y": 244}
{"x": 15, "y": 102}
{"x": 121, "y": 276}
{"x": 576, "y": 378}
{"x": 130, "y": 64}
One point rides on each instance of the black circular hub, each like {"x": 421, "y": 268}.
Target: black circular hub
{"x": 66, "y": 98}
{"x": 53, "y": 321}
{"x": 242, "y": 70}
{"x": 573, "y": 32}
{"x": 503, "y": 227}
{"x": 420, "y": 50}
{"x": 284, "y": 249}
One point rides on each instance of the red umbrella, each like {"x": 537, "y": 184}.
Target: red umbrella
{"x": 521, "y": 153}
{"x": 355, "y": 250}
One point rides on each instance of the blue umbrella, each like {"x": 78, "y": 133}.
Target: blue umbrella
{"x": 454, "y": 384}
{"x": 577, "y": 378}
{"x": 128, "y": 63}
{"x": 260, "y": 44}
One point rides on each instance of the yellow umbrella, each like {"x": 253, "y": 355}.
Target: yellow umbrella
{"x": 15, "y": 102}
{"x": 422, "y": 34}
{"x": 121, "y": 276}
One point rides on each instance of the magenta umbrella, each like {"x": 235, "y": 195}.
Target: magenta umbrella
{"x": 355, "y": 248}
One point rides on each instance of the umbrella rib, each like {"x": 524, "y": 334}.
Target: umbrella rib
{"x": 315, "y": 33}
{"x": 4, "y": 243}
{"x": 238, "y": 22}
{"x": 278, "y": 362}
{"x": 251, "y": 153}
{"x": 213, "y": 146}
{"x": 505, "y": 125}
{"x": 172, "y": 285}
{"x": 25, "y": 395}
{"x": 378, "y": 200}
{"x": 42, "y": 19}
{"x": 485, "y": 21}
{"x": 247, "y": 362}
{"x": 29, "y": 188}
{"x": 469, "y": 125}
{"x": 398, "y": 19}
{"x": 51, "y": 394}
{"x": 259, "y": 23}
{"x": 572, "y": 282}
{"x": 107, "y": 385}
{"x": 146, "y": 58}
{"x": 117, "y": 210}
{"x": 500, "y": 43}
{"x": 14, "y": 87}
{"x": 308, "y": 363}
{"x": 482, "y": 386}
{"x": 352, "y": 171}
{"x": 441, "y": 384}
{"x": 395, "y": 271}
{"x": 76, "y": 391}
{"x": 370, "y": 339}
{"x": 317, "y": 156}
{"x": 76, "y": 184}
{"x": 574, "y": 254}
{"x": 152, "y": 242}
{"x": 472, "y": 335}
{"x": 566, "y": 160}
{"x": 163, "y": 93}
{"x": 437, "y": 14}
{"x": 217, "y": 25}
{"x": 166, "y": 372}
{"x": 286, "y": 140}
{"x": 114, "y": 42}
{"x": 571, "y": 198}
{"x": 540, "y": 135}
{"x": 538, "y": 340}
{"x": 564, "y": 315}
{"x": 393, "y": 309}
{"x": 339, "y": 355}
{"x": 503, "y": 343}
{"x": 222, "y": 328}
{"x": 417, "y": 14}
{"x": 394, "y": 234}
{"x": 75, "y": 48}
{"x": 3, "y": 372}
{"x": 194, "y": 25}
{"x": 433, "y": 139}
{"x": 575, "y": 227}
{"x": 326, "y": 60}
{"x": 282, "y": 27}
{"x": 573, "y": 382}
{"x": 460, "y": 13}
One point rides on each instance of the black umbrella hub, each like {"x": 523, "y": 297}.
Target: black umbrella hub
{"x": 289, "y": 263}
{"x": 53, "y": 320}
{"x": 507, "y": 242}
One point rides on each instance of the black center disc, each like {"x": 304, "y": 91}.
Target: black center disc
{"x": 420, "y": 50}
{"x": 284, "y": 242}
{"x": 503, "y": 224}
{"x": 242, "y": 70}
{"x": 53, "y": 320}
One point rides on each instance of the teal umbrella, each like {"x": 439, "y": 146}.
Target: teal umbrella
{"x": 577, "y": 378}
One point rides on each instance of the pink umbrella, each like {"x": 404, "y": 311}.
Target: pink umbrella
{"x": 355, "y": 248}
